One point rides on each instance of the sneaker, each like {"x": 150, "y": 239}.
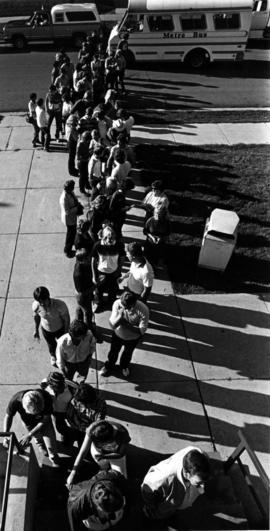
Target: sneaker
{"x": 53, "y": 361}
{"x": 126, "y": 372}
{"x": 54, "y": 460}
{"x": 104, "y": 371}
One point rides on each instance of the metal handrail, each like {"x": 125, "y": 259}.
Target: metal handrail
{"x": 13, "y": 442}
{"x": 235, "y": 456}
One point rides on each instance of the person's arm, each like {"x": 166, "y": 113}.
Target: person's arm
{"x": 37, "y": 323}
{"x": 94, "y": 269}
{"x": 60, "y": 357}
{"x": 117, "y": 315}
{"x": 81, "y": 455}
{"x": 26, "y": 439}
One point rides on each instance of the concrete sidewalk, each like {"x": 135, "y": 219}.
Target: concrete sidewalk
{"x": 202, "y": 371}
{"x": 189, "y": 133}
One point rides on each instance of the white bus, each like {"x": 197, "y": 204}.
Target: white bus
{"x": 194, "y": 31}
{"x": 260, "y": 23}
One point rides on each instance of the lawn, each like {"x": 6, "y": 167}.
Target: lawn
{"x": 197, "y": 180}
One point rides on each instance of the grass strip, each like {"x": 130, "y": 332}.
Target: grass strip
{"x": 197, "y": 180}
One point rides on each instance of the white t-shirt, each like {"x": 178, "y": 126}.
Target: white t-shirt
{"x": 140, "y": 277}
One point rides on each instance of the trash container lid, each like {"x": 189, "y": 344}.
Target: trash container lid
{"x": 224, "y": 221}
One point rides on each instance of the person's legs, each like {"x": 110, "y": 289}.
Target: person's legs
{"x": 84, "y": 309}
{"x": 72, "y": 145}
{"x": 50, "y": 338}
{"x": 82, "y": 369}
{"x": 50, "y": 119}
{"x": 111, "y": 287}
{"x": 70, "y": 238}
{"x": 116, "y": 345}
{"x": 47, "y": 138}
{"x": 83, "y": 174}
{"x": 126, "y": 356}
{"x": 58, "y": 123}
{"x": 102, "y": 279}
{"x": 69, "y": 370}
{"x": 42, "y": 134}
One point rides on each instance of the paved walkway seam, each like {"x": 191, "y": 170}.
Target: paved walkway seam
{"x": 16, "y": 243}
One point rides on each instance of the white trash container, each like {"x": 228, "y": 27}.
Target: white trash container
{"x": 219, "y": 239}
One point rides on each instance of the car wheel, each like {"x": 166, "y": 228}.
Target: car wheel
{"x": 19, "y": 42}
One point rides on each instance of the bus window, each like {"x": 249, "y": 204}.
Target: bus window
{"x": 260, "y": 5}
{"x": 226, "y": 21}
{"x": 160, "y": 23}
{"x": 193, "y": 22}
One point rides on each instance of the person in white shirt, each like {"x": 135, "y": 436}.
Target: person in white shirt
{"x": 121, "y": 167}
{"x": 129, "y": 321}
{"x": 155, "y": 199}
{"x": 32, "y": 105}
{"x": 140, "y": 275}
{"x": 175, "y": 483}
{"x": 42, "y": 123}
{"x": 74, "y": 351}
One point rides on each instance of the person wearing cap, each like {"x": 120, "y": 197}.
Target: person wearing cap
{"x": 108, "y": 257}
{"x": 35, "y": 409}
{"x": 140, "y": 275}
{"x": 98, "y": 503}
{"x": 74, "y": 351}
{"x": 52, "y": 315}
{"x": 175, "y": 483}
{"x": 129, "y": 321}
{"x": 71, "y": 208}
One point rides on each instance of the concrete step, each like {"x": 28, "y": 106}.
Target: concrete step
{"x": 22, "y": 492}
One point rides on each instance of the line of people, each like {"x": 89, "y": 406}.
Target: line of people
{"x": 98, "y": 129}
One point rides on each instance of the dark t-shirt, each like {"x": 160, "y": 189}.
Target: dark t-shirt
{"x": 117, "y": 203}
{"x": 117, "y": 249}
{"x": 83, "y": 241}
{"x": 82, "y": 276}
{"x": 15, "y": 406}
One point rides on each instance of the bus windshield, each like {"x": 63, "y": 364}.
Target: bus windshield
{"x": 130, "y": 22}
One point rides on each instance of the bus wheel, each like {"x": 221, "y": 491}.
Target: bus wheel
{"x": 129, "y": 57}
{"x": 78, "y": 39}
{"x": 196, "y": 58}
{"x": 19, "y": 42}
